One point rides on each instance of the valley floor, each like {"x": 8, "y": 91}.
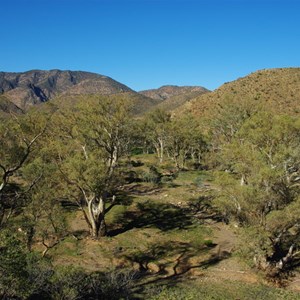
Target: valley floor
{"x": 178, "y": 246}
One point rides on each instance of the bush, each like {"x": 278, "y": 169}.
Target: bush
{"x": 22, "y": 273}
{"x": 25, "y": 275}
{"x": 113, "y": 285}
{"x": 199, "y": 181}
{"x": 152, "y": 176}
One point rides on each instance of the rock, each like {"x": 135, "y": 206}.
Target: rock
{"x": 152, "y": 267}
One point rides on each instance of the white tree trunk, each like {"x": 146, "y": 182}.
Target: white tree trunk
{"x": 96, "y": 213}
{"x": 161, "y": 150}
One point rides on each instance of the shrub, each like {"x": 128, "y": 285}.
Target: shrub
{"x": 152, "y": 176}
{"x": 22, "y": 274}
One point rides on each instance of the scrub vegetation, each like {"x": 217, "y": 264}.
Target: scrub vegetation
{"x": 99, "y": 203}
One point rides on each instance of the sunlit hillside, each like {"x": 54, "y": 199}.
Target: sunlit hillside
{"x": 276, "y": 89}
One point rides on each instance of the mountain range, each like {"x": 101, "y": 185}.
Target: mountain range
{"x": 19, "y": 91}
{"x": 277, "y": 89}
{"x": 36, "y": 86}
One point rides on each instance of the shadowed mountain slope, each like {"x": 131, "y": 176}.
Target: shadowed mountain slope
{"x": 7, "y": 108}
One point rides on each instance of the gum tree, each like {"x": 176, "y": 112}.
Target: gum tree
{"x": 19, "y": 136}
{"x": 185, "y": 140}
{"x": 156, "y": 127}
{"x": 266, "y": 202}
{"x": 89, "y": 140}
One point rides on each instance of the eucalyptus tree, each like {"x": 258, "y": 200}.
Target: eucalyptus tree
{"x": 185, "y": 140}
{"x": 19, "y": 136}
{"x": 156, "y": 126}
{"x": 226, "y": 118}
{"x": 88, "y": 143}
{"x": 261, "y": 191}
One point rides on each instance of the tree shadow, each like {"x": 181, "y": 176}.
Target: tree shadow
{"x": 172, "y": 185}
{"x": 160, "y": 256}
{"x": 202, "y": 209}
{"x": 163, "y": 216}
{"x": 10, "y": 193}
{"x": 142, "y": 189}
{"x": 167, "y": 263}
{"x": 12, "y": 200}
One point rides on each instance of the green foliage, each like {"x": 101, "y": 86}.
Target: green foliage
{"x": 20, "y": 140}
{"x": 186, "y": 140}
{"x": 21, "y": 273}
{"x": 261, "y": 191}
{"x": 13, "y": 267}
{"x": 67, "y": 283}
{"x": 152, "y": 176}
{"x": 80, "y": 154}
{"x": 180, "y": 137}
{"x": 86, "y": 145}
{"x": 24, "y": 275}
{"x": 155, "y": 127}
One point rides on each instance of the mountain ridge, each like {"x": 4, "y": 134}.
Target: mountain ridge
{"x": 24, "y": 89}
{"x": 35, "y": 86}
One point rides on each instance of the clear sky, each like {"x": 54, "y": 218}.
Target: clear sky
{"x": 148, "y": 43}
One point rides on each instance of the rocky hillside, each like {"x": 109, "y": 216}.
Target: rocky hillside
{"x": 168, "y": 91}
{"x": 36, "y": 86}
{"x": 7, "y": 107}
{"x": 276, "y": 89}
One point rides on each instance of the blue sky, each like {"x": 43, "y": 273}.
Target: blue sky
{"x": 148, "y": 43}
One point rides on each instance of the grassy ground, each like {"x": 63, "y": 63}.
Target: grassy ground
{"x": 166, "y": 233}
{"x": 225, "y": 290}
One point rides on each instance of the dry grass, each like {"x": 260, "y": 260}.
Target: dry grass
{"x": 277, "y": 89}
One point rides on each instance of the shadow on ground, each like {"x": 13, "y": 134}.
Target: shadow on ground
{"x": 156, "y": 215}
{"x": 167, "y": 263}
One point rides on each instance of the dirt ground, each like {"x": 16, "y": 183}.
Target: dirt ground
{"x": 163, "y": 253}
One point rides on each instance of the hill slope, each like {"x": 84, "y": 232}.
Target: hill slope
{"x": 36, "y": 86}
{"x": 176, "y": 101}
{"x": 139, "y": 103}
{"x": 7, "y": 108}
{"x": 170, "y": 97}
{"x": 277, "y": 89}
{"x": 168, "y": 91}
